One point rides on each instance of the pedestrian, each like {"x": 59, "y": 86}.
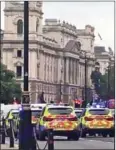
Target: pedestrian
{"x": 42, "y": 98}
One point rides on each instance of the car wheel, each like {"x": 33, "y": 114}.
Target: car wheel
{"x": 111, "y": 134}
{"x": 104, "y": 134}
{"x": 83, "y": 133}
{"x": 69, "y": 138}
{"x": 75, "y": 137}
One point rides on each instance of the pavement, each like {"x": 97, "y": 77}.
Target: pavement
{"x": 83, "y": 143}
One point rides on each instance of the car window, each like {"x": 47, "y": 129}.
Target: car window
{"x": 36, "y": 112}
{"x": 15, "y": 114}
{"x": 83, "y": 112}
{"x": 78, "y": 114}
{"x": 99, "y": 111}
{"x": 42, "y": 113}
{"x": 60, "y": 111}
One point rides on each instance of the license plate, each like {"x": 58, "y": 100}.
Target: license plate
{"x": 59, "y": 129}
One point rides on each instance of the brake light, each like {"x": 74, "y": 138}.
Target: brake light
{"x": 88, "y": 119}
{"x": 47, "y": 119}
{"x": 73, "y": 119}
{"x": 110, "y": 119}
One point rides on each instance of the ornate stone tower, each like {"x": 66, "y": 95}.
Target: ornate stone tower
{"x": 13, "y": 43}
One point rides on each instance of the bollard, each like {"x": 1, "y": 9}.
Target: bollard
{"x": 3, "y": 131}
{"x": 50, "y": 139}
{"x": 11, "y": 134}
{"x": 33, "y": 138}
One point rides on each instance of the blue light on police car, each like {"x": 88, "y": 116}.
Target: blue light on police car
{"x": 97, "y": 106}
{"x": 20, "y": 108}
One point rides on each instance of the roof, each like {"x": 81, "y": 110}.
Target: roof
{"x": 36, "y": 109}
{"x": 71, "y": 43}
{"x": 58, "y": 106}
{"x": 92, "y": 108}
{"x": 78, "y": 110}
{"x": 15, "y": 111}
{"x": 38, "y": 105}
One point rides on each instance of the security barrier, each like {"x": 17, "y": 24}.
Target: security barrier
{"x": 35, "y": 144}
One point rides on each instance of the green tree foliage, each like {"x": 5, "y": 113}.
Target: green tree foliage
{"x": 8, "y": 86}
{"x": 108, "y": 83}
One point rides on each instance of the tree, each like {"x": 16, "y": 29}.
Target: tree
{"x": 108, "y": 83}
{"x": 9, "y": 87}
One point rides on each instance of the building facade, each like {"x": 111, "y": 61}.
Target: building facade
{"x": 104, "y": 58}
{"x": 57, "y": 53}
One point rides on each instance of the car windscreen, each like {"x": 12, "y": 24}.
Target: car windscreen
{"x": 15, "y": 114}
{"x": 36, "y": 113}
{"x": 60, "y": 111}
{"x": 78, "y": 113}
{"x": 99, "y": 111}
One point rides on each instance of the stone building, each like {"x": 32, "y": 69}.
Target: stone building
{"x": 56, "y": 53}
{"x": 104, "y": 57}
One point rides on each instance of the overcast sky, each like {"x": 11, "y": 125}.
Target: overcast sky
{"x": 98, "y": 14}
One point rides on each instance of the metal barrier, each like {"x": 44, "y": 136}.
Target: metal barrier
{"x": 49, "y": 143}
{"x": 35, "y": 143}
{"x": 11, "y": 133}
{"x": 3, "y": 131}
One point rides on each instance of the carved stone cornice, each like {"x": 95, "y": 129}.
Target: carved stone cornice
{"x": 18, "y": 63}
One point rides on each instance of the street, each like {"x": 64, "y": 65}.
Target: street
{"x": 83, "y": 143}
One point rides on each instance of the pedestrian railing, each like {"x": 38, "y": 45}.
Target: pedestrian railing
{"x": 12, "y": 137}
{"x": 7, "y": 133}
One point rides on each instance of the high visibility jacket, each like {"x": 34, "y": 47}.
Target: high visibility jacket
{"x": 7, "y": 120}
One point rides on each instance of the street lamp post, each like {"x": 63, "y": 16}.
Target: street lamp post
{"x": 60, "y": 90}
{"x": 85, "y": 79}
{"x": 25, "y": 128}
{"x": 85, "y": 85}
{"x": 109, "y": 68}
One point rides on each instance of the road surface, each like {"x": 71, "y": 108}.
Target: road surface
{"x": 83, "y": 143}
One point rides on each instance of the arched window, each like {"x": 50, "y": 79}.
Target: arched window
{"x": 37, "y": 25}
{"x": 19, "y": 26}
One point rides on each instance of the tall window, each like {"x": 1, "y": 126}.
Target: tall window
{"x": 19, "y": 26}
{"x": 37, "y": 25}
{"x": 19, "y": 71}
{"x": 19, "y": 53}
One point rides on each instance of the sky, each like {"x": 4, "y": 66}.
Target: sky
{"x": 98, "y": 14}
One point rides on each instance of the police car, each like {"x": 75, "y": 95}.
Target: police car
{"x": 61, "y": 118}
{"x": 35, "y": 114}
{"x": 97, "y": 120}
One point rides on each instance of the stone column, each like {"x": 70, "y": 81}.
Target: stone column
{"x": 46, "y": 68}
{"x": 75, "y": 82}
{"x": 59, "y": 69}
{"x": 78, "y": 72}
{"x": 74, "y": 70}
{"x": 67, "y": 70}
{"x": 49, "y": 67}
{"x": 71, "y": 71}
{"x": 52, "y": 71}
{"x": 41, "y": 67}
